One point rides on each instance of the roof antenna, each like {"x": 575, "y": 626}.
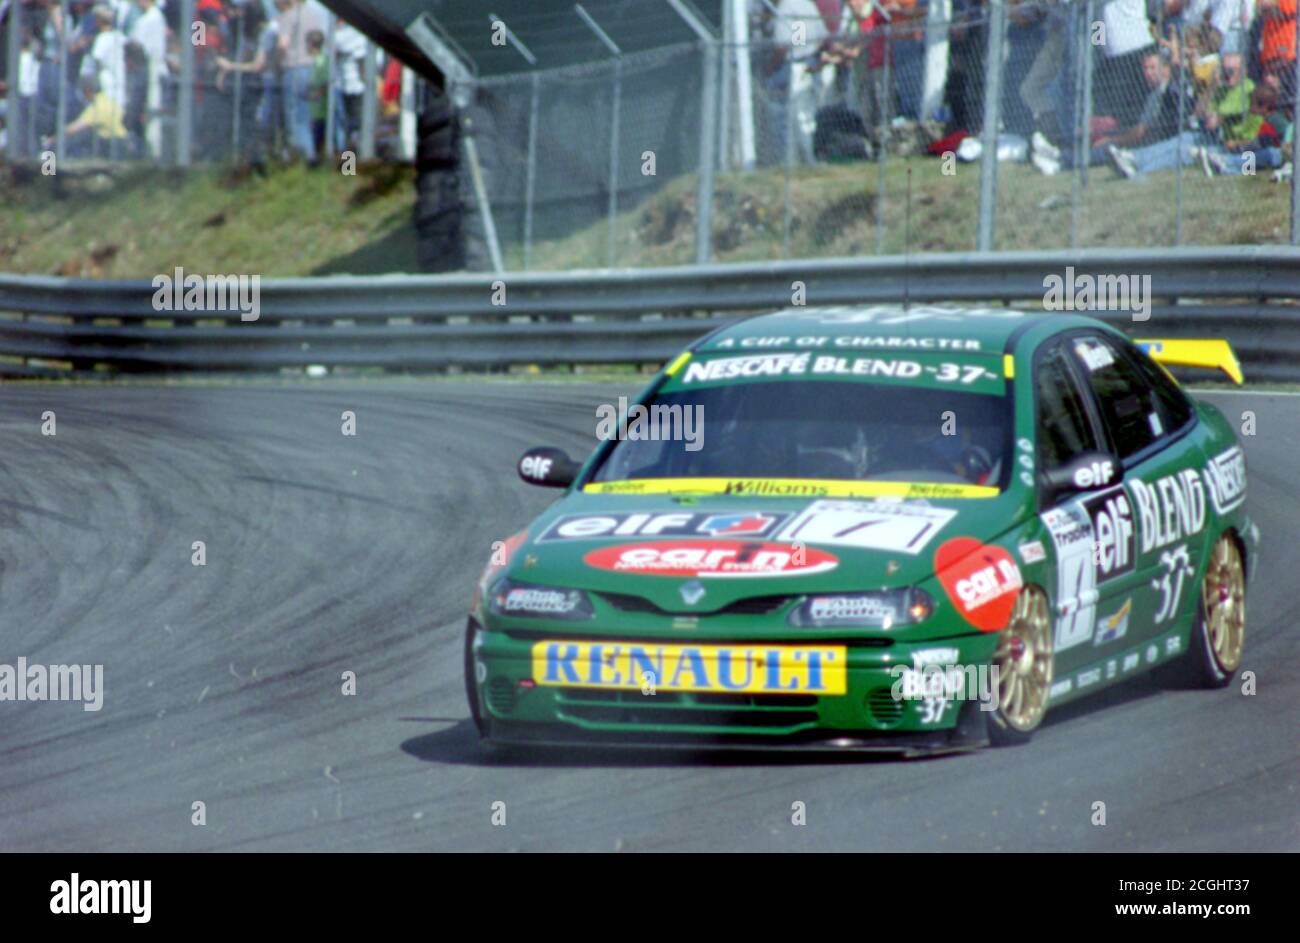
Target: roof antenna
{"x": 907, "y": 241}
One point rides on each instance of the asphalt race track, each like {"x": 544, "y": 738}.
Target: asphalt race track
{"x": 328, "y": 554}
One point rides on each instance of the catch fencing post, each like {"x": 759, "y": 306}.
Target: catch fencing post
{"x": 185, "y": 94}
{"x": 708, "y": 132}
{"x": 997, "y": 23}
{"x": 530, "y": 178}
{"x": 617, "y": 53}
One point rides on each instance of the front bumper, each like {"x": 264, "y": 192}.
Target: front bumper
{"x": 868, "y": 716}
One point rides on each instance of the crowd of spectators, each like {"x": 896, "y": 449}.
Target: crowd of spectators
{"x": 262, "y": 74}
{"x": 1191, "y": 81}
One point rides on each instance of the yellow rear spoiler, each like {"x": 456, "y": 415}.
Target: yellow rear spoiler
{"x": 1210, "y": 354}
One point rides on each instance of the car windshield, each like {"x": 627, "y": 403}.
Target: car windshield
{"x": 829, "y": 430}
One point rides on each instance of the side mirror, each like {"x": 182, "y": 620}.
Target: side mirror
{"x": 1087, "y": 471}
{"x": 548, "y": 467}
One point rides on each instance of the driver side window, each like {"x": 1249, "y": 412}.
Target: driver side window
{"x": 1062, "y": 423}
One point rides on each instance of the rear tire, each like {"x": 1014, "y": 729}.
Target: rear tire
{"x": 1026, "y": 665}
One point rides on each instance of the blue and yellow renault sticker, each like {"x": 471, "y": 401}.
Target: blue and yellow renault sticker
{"x": 718, "y": 669}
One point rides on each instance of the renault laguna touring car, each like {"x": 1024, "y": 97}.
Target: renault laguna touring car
{"x": 913, "y": 530}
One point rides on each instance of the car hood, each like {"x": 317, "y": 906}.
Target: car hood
{"x": 666, "y": 548}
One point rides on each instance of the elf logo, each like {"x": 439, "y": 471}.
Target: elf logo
{"x": 666, "y": 524}
{"x": 1112, "y": 534}
{"x": 1096, "y": 475}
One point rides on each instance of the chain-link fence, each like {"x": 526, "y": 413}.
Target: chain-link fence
{"x": 121, "y": 80}
{"x": 805, "y": 128}
{"x": 864, "y": 128}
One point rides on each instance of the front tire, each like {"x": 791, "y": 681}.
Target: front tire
{"x": 1026, "y": 664}
{"x": 1219, "y": 632}
{"x": 481, "y": 723}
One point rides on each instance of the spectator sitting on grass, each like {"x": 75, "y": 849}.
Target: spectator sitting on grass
{"x": 1156, "y": 141}
{"x": 1271, "y": 130}
{"x": 1227, "y": 115}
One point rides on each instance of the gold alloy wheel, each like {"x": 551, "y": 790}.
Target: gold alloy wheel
{"x": 1024, "y": 661}
{"x": 1224, "y": 596}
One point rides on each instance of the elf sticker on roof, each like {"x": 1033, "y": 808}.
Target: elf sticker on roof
{"x": 982, "y": 581}
{"x": 894, "y": 526}
{"x": 711, "y": 558}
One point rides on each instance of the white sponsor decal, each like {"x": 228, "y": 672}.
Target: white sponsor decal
{"x": 1171, "y": 645}
{"x": 1076, "y": 597}
{"x": 867, "y": 367}
{"x": 823, "y": 608}
{"x": 1032, "y": 552}
{"x": 1170, "y": 509}
{"x": 664, "y": 524}
{"x": 1096, "y": 475}
{"x": 539, "y": 600}
{"x": 1094, "y": 356}
{"x": 1061, "y": 687}
{"x": 536, "y": 466}
{"x": 1112, "y": 532}
{"x": 1131, "y": 661}
{"x": 990, "y": 583}
{"x": 896, "y": 526}
{"x": 731, "y": 368}
{"x": 934, "y": 656}
{"x": 1225, "y": 474}
{"x": 1177, "y": 567}
{"x": 856, "y": 341}
{"x": 894, "y": 314}
{"x": 1091, "y": 676}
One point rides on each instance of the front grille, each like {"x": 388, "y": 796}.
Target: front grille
{"x": 535, "y": 635}
{"x": 680, "y": 709}
{"x": 885, "y": 710}
{"x": 501, "y": 695}
{"x": 596, "y": 695}
{"x": 749, "y": 606}
{"x": 687, "y": 717}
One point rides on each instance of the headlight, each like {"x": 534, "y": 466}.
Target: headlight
{"x": 539, "y": 602}
{"x": 883, "y": 609}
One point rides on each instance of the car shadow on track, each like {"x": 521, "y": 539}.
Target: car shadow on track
{"x": 458, "y": 744}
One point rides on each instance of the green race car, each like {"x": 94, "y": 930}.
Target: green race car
{"x": 876, "y": 528}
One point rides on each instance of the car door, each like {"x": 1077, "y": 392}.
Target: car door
{"x": 1146, "y": 420}
{"x": 1091, "y": 533}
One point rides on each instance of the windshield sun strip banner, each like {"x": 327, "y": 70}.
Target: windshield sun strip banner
{"x": 981, "y": 374}
{"x": 791, "y": 488}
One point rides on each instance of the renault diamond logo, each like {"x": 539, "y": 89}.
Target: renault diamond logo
{"x": 692, "y": 592}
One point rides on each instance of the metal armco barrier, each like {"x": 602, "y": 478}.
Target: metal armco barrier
{"x": 56, "y": 326}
